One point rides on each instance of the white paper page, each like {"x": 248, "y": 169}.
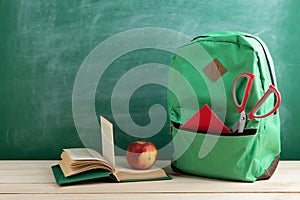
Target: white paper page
{"x": 107, "y": 136}
{"x": 123, "y": 166}
{"x": 83, "y": 154}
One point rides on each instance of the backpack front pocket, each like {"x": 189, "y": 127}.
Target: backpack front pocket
{"x": 227, "y": 156}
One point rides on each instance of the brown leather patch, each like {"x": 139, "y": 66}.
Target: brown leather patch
{"x": 270, "y": 171}
{"x": 215, "y": 70}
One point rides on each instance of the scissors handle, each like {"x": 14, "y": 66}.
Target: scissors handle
{"x": 242, "y": 104}
{"x": 252, "y": 114}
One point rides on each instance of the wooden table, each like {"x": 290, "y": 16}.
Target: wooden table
{"x": 34, "y": 180}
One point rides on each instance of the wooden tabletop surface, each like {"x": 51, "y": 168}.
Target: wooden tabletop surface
{"x": 34, "y": 180}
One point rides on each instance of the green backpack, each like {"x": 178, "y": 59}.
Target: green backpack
{"x": 203, "y": 72}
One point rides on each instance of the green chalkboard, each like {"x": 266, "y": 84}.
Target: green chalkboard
{"x": 48, "y": 51}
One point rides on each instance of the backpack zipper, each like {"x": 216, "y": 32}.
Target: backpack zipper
{"x": 266, "y": 55}
{"x": 268, "y": 63}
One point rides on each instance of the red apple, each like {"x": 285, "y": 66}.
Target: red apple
{"x": 141, "y": 154}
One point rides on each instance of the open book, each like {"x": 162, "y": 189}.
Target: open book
{"x": 77, "y": 160}
{"x": 80, "y": 164}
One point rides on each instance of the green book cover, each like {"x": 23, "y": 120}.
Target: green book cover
{"x": 84, "y": 176}
{"x": 97, "y": 175}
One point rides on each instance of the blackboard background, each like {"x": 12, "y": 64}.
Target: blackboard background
{"x": 44, "y": 43}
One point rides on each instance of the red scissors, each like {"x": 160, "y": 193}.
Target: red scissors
{"x": 240, "y": 124}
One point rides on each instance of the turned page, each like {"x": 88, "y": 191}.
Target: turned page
{"x": 107, "y": 136}
{"x": 78, "y": 154}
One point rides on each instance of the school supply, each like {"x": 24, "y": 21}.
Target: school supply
{"x": 203, "y": 72}
{"x": 240, "y": 124}
{"x": 205, "y": 120}
{"x": 83, "y": 164}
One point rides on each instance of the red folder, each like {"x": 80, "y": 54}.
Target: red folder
{"x": 205, "y": 120}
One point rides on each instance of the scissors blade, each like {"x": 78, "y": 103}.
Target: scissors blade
{"x": 236, "y": 126}
{"x": 240, "y": 124}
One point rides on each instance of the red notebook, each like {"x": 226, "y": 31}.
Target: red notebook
{"x": 205, "y": 120}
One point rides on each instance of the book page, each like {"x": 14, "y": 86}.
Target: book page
{"x": 107, "y": 137}
{"x": 125, "y": 172}
{"x": 84, "y": 154}
{"x": 77, "y": 160}
{"x": 123, "y": 166}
